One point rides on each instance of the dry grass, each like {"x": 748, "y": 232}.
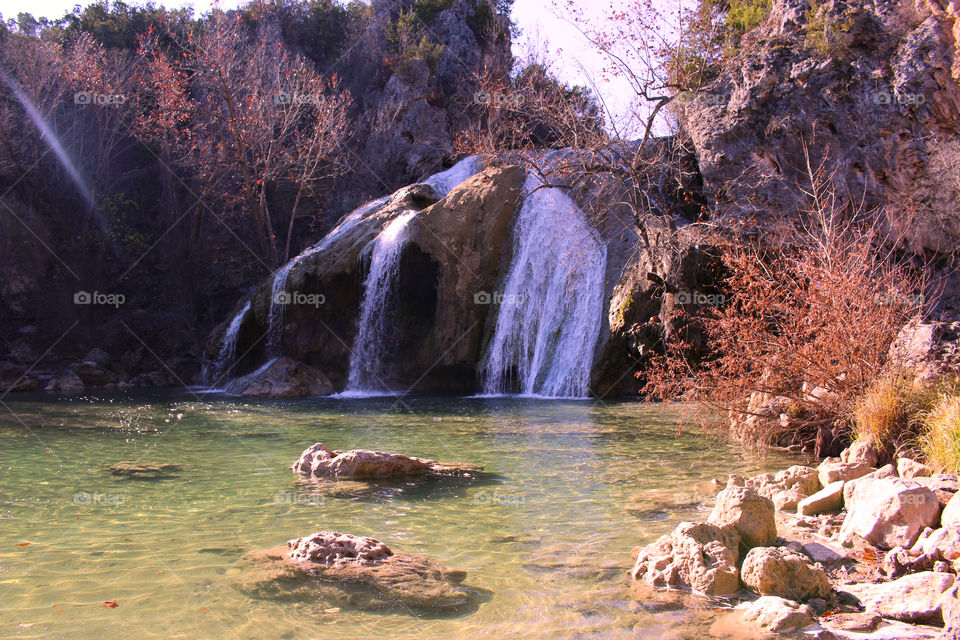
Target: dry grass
{"x": 891, "y": 412}
{"x": 940, "y": 439}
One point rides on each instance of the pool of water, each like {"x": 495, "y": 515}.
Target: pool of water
{"x": 546, "y": 538}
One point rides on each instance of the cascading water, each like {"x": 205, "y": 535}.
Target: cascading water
{"x": 445, "y": 181}
{"x": 228, "y": 348}
{"x": 551, "y": 308}
{"x": 368, "y": 347}
{"x": 275, "y": 316}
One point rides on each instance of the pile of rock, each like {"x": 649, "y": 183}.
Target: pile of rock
{"x": 845, "y": 515}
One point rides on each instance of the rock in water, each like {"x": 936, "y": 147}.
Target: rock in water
{"x": 282, "y": 378}
{"x": 321, "y": 461}
{"x": 778, "y": 571}
{"x": 353, "y": 571}
{"x": 749, "y": 514}
{"x": 697, "y": 556}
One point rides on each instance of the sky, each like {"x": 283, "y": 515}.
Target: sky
{"x": 543, "y": 33}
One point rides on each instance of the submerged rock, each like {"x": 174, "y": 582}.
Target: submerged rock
{"x": 143, "y": 470}
{"x": 697, "y": 556}
{"x": 352, "y": 571}
{"x": 321, "y": 461}
{"x": 282, "y": 378}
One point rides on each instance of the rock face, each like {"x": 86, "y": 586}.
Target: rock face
{"x": 352, "y": 571}
{"x": 889, "y": 512}
{"x": 894, "y": 74}
{"x": 912, "y": 598}
{"x": 283, "y": 378}
{"x": 751, "y": 516}
{"x": 778, "y": 615}
{"x": 320, "y": 461}
{"x": 778, "y": 571}
{"x": 696, "y": 556}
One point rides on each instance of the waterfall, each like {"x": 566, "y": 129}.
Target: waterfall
{"x": 275, "y": 316}
{"x": 228, "y": 348}
{"x": 446, "y": 181}
{"x": 372, "y": 330}
{"x": 551, "y": 308}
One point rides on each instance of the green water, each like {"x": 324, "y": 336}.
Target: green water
{"x": 545, "y": 539}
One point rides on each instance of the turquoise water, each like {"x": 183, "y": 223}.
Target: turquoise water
{"x": 546, "y": 537}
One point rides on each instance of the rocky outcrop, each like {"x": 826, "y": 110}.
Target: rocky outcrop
{"x": 746, "y": 513}
{"x": 889, "y": 512}
{"x": 322, "y": 462}
{"x": 696, "y": 556}
{"x": 352, "y": 571}
{"x": 282, "y": 378}
{"x": 778, "y": 571}
{"x": 878, "y": 109}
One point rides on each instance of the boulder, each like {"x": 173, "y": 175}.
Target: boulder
{"x": 751, "y": 516}
{"x": 912, "y": 598}
{"x": 321, "y": 461}
{"x": 827, "y": 499}
{"x": 282, "y": 378}
{"x": 94, "y": 374}
{"x": 803, "y": 479}
{"x": 778, "y": 615}
{"x": 15, "y": 378}
{"x": 67, "y": 384}
{"x": 907, "y": 468}
{"x": 778, "y": 571}
{"x": 889, "y": 512}
{"x": 886, "y": 471}
{"x": 899, "y": 562}
{"x": 787, "y": 500}
{"x": 951, "y": 512}
{"x": 943, "y": 542}
{"x": 833, "y": 469}
{"x": 696, "y": 556}
{"x": 945, "y": 485}
{"x": 826, "y": 553}
{"x": 352, "y": 571}
{"x": 861, "y": 451}
{"x": 950, "y": 612}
